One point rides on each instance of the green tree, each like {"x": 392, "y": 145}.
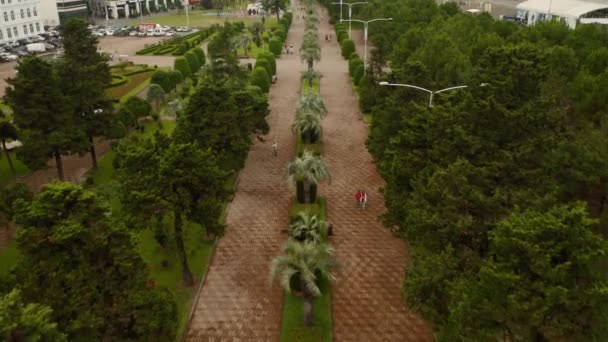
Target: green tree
{"x": 43, "y": 115}
{"x": 156, "y": 95}
{"x": 66, "y": 237}
{"x": 348, "y": 47}
{"x": 163, "y": 78}
{"x": 310, "y": 76}
{"x": 10, "y": 201}
{"x": 311, "y": 102}
{"x": 541, "y": 283}
{"x": 275, "y": 46}
{"x": 260, "y": 78}
{"x": 181, "y": 65}
{"x": 274, "y": 6}
{"x": 192, "y": 61}
{"x": 263, "y": 63}
{"x": 174, "y": 178}
{"x": 200, "y": 54}
{"x": 301, "y": 269}
{"x": 242, "y": 42}
{"x": 308, "y": 169}
{"x": 310, "y": 54}
{"x": 7, "y": 132}
{"x": 84, "y": 75}
{"x": 137, "y": 109}
{"x": 20, "y": 321}
{"x": 269, "y": 56}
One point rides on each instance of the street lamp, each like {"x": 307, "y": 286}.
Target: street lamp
{"x": 187, "y": 17}
{"x": 365, "y": 23}
{"x": 350, "y": 14}
{"x": 339, "y": 3}
{"x": 384, "y": 83}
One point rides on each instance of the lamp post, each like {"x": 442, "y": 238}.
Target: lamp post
{"x": 365, "y": 23}
{"x": 187, "y": 2}
{"x": 350, "y": 14}
{"x": 339, "y": 3}
{"x": 384, "y": 83}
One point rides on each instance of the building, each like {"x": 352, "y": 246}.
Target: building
{"x": 67, "y": 9}
{"x": 570, "y": 12}
{"x": 116, "y": 9}
{"x": 20, "y": 19}
{"x": 50, "y": 16}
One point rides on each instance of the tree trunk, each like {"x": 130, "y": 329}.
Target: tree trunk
{"x": 307, "y": 308}
{"x": 307, "y": 136}
{"x": 93, "y": 153}
{"x": 306, "y": 184}
{"x": 310, "y": 63}
{"x": 278, "y": 10}
{"x": 8, "y": 157}
{"x": 179, "y": 242}
{"x": 59, "y": 164}
{"x": 157, "y": 105}
{"x": 310, "y": 80}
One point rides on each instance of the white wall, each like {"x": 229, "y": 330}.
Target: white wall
{"x": 50, "y": 15}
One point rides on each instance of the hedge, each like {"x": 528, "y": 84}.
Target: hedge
{"x": 118, "y": 80}
{"x": 267, "y": 55}
{"x": 193, "y": 62}
{"x": 260, "y": 78}
{"x": 261, "y": 62}
{"x": 348, "y": 47}
{"x": 163, "y": 79}
{"x": 181, "y": 64}
{"x": 200, "y": 54}
{"x": 359, "y": 71}
{"x": 275, "y": 46}
{"x": 353, "y": 64}
{"x": 176, "y": 76}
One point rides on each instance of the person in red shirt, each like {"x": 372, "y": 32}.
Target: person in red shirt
{"x": 359, "y": 197}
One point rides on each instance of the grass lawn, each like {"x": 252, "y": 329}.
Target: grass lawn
{"x": 292, "y": 324}
{"x": 5, "y": 171}
{"x": 134, "y": 82}
{"x": 197, "y": 18}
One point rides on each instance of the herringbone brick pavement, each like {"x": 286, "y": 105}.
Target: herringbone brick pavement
{"x": 366, "y": 297}
{"x": 237, "y": 301}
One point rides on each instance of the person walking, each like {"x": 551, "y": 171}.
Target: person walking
{"x": 291, "y": 49}
{"x": 359, "y": 197}
{"x": 364, "y": 200}
{"x": 275, "y": 148}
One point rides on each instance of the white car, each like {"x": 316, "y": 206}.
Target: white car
{"x": 9, "y": 56}
{"x": 99, "y": 34}
{"x": 141, "y": 34}
{"x": 133, "y": 33}
{"x": 109, "y": 32}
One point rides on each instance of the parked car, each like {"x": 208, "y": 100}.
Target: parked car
{"x": 14, "y": 44}
{"x": 110, "y": 32}
{"x": 133, "y": 33}
{"x": 9, "y": 56}
{"x": 99, "y": 34}
{"x": 141, "y": 34}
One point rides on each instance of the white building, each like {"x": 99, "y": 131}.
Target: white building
{"x": 67, "y": 9}
{"x": 115, "y": 9}
{"x": 20, "y": 19}
{"x": 50, "y": 15}
{"x": 571, "y": 12}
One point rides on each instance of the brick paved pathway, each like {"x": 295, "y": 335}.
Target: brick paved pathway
{"x": 366, "y": 298}
{"x": 237, "y": 301}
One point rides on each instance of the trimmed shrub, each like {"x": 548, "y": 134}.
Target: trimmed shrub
{"x": 352, "y": 65}
{"x": 275, "y": 46}
{"x": 341, "y": 35}
{"x": 260, "y": 78}
{"x": 192, "y": 61}
{"x": 200, "y": 54}
{"x": 348, "y": 47}
{"x": 359, "y": 71}
{"x": 353, "y": 55}
{"x": 367, "y": 94}
{"x": 163, "y": 79}
{"x": 267, "y": 55}
{"x": 176, "y": 76}
{"x": 281, "y": 33}
{"x": 181, "y": 64}
{"x": 262, "y": 62}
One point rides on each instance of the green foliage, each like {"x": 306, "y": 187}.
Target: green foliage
{"x": 176, "y": 76}
{"x": 269, "y": 56}
{"x": 66, "y": 225}
{"x": 182, "y": 65}
{"x": 163, "y": 79}
{"x": 192, "y": 61}
{"x": 44, "y": 115}
{"x": 155, "y": 95}
{"x": 310, "y": 169}
{"x": 188, "y": 183}
{"x": 260, "y": 78}
{"x": 359, "y": 71}
{"x": 134, "y": 109}
{"x": 263, "y": 63}
{"x": 200, "y": 54}
{"x": 27, "y": 322}
{"x": 348, "y": 47}
{"x": 275, "y": 46}
{"x": 353, "y": 63}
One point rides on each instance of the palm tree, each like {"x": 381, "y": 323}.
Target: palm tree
{"x": 310, "y": 37}
{"x": 306, "y": 227}
{"x": 310, "y": 54}
{"x": 310, "y": 76}
{"x": 242, "y": 42}
{"x": 7, "y": 131}
{"x": 311, "y": 101}
{"x": 301, "y": 269}
{"x": 309, "y": 124}
{"x": 310, "y": 170}
{"x": 155, "y": 94}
